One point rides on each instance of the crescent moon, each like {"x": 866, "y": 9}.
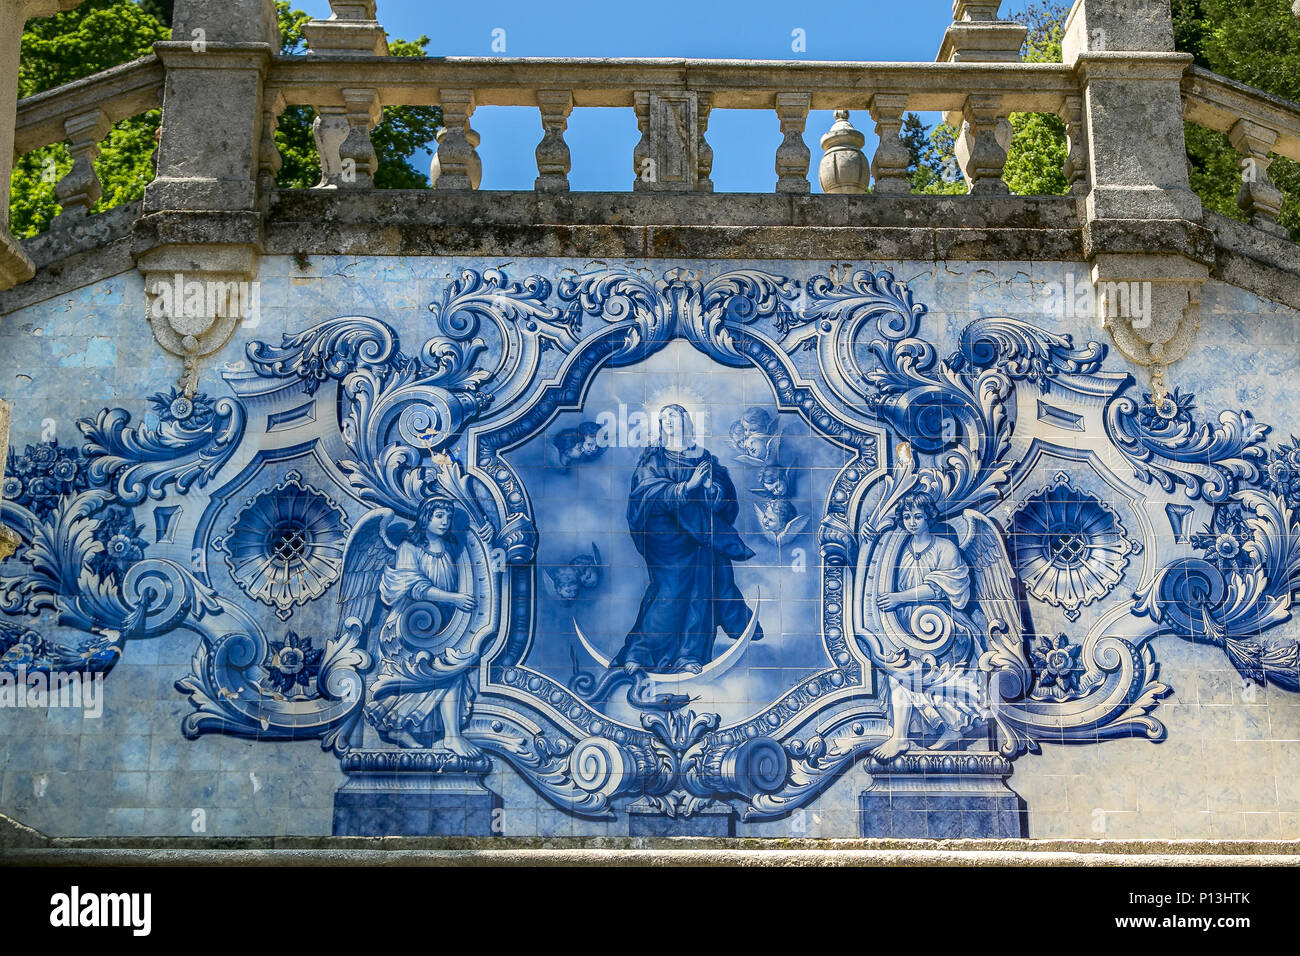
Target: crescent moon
{"x": 718, "y": 666}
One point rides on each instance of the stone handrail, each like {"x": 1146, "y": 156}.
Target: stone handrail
{"x": 119, "y": 92}
{"x": 1259, "y": 125}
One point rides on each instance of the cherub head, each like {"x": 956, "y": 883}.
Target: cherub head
{"x": 776, "y": 514}
{"x": 588, "y": 572}
{"x": 589, "y": 447}
{"x": 757, "y": 421}
{"x": 435, "y": 516}
{"x": 773, "y": 481}
{"x": 566, "y": 581}
{"x": 569, "y": 444}
{"x": 917, "y": 513}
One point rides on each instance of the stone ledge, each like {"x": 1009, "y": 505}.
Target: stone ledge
{"x": 1247, "y": 257}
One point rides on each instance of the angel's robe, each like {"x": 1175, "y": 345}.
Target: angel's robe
{"x": 949, "y": 695}
{"x": 413, "y": 566}
{"x": 688, "y": 540}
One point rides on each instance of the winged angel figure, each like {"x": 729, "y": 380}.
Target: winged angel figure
{"x": 413, "y": 582}
{"x": 940, "y": 609}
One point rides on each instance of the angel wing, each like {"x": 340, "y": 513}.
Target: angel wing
{"x": 370, "y": 550}
{"x": 981, "y": 543}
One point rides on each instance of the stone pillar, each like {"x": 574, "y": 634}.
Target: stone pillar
{"x": 202, "y": 213}
{"x": 80, "y": 189}
{"x": 793, "y": 155}
{"x": 350, "y": 30}
{"x": 976, "y": 35}
{"x": 1142, "y": 228}
{"x": 843, "y": 167}
{"x": 553, "y": 161}
{"x": 15, "y": 266}
{"x": 414, "y": 793}
{"x": 889, "y": 165}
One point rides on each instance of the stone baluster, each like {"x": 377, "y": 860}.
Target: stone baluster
{"x": 889, "y": 165}
{"x": 1257, "y": 196}
{"x": 268, "y": 155}
{"x": 982, "y": 146}
{"x": 80, "y": 189}
{"x": 792, "y": 156}
{"x": 703, "y": 181}
{"x": 642, "y": 161}
{"x": 843, "y": 167}
{"x": 456, "y": 164}
{"x": 357, "y": 155}
{"x": 553, "y": 161}
{"x": 9, "y": 539}
{"x": 1075, "y": 167}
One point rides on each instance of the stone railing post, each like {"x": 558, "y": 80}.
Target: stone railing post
{"x": 553, "y": 160}
{"x": 201, "y": 218}
{"x": 889, "y": 165}
{"x": 1123, "y": 54}
{"x": 1258, "y": 196}
{"x": 80, "y": 189}
{"x": 793, "y": 155}
{"x": 15, "y": 266}
{"x": 668, "y": 157}
{"x": 456, "y": 164}
{"x": 976, "y": 35}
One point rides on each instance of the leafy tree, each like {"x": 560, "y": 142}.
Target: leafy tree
{"x": 99, "y": 34}
{"x": 1256, "y": 42}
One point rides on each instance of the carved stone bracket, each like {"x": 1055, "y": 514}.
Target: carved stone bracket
{"x": 553, "y": 161}
{"x": 1151, "y": 306}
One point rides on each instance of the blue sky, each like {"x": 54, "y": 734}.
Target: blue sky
{"x": 601, "y": 141}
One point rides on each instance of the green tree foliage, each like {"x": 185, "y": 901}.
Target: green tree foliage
{"x": 1256, "y": 42}
{"x": 65, "y": 47}
{"x": 99, "y": 34}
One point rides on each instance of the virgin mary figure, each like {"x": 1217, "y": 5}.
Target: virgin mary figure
{"x": 681, "y": 511}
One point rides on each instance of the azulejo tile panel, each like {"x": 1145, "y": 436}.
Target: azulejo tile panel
{"x": 552, "y": 547}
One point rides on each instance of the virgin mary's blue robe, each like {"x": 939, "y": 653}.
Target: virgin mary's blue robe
{"x": 688, "y": 540}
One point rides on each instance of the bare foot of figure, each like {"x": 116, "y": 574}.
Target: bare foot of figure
{"x": 891, "y": 748}
{"x": 459, "y": 745}
{"x": 947, "y": 739}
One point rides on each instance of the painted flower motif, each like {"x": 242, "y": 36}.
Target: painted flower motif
{"x": 1070, "y": 548}
{"x": 1282, "y": 472}
{"x": 22, "y": 654}
{"x": 120, "y": 536}
{"x": 1056, "y": 667}
{"x": 43, "y": 474}
{"x": 1223, "y": 540}
{"x": 293, "y": 663}
{"x": 176, "y": 406}
{"x": 1158, "y": 414}
{"x": 285, "y": 545}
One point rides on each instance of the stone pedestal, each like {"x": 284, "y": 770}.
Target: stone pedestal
{"x": 643, "y": 820}
{"x": 941, "y": 796}
{"x": 414, "y": 793}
